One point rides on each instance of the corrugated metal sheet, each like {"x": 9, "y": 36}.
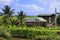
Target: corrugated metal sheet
{"x": 37, "y": 19}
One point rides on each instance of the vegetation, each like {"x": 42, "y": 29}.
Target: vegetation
{"x": 21, "y": 17}
{"x": 33, "y": 33}
{"x": 7, "y": 13}
{"x": 14, "y": 27}
{"x": 5, "y": 33}
{"x": 58, "y": 20}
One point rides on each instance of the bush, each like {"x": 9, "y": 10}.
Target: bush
{"x": 33, "y": 33}
{"x": 5, "y": 33}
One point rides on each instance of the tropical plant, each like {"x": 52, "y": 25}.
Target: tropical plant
{"x": 21, "y": 17}
{"x": 34, "y": 33}
{"x": 5, "y": 33}
{"x": 7, "y": 13}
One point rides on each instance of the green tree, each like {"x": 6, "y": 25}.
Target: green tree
{"x": 21, "y": 17}
{"x": 58, "y": 20}
{"x": 7, "y": 13}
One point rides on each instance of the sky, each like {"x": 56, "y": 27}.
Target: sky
{"x": 32, "y": 7}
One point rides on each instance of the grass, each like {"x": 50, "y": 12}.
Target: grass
{"x": 15, "y": 17}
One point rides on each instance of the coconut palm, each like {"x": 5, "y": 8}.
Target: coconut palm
{"x": 21, "y": 17}
{"x": 7, "y": 10}
{"x": 7, "y": 13}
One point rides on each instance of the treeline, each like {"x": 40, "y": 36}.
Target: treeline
{"x": 7, "y": 19}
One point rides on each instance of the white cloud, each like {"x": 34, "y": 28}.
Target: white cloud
{"x": 34, "y": 7}
{"x": 16, "y": 1}
{"x": 30, "y": 8}
{"x": 45, "y": 2}
{"x": 16, "y": 4}
{"x": 55, "y": 4}
{"x": 52, "y": 4}
{"x": 6, "y": 2}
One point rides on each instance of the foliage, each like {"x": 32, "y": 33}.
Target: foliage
{"x": 33, "y": 33}
{"x": 29, "y": 32}
{"x": 7, "y": 13}
{"x": 9, "y": 27}
{"x": 58, "y": 20}
{"x": 5, "y": 33}
{"x": 21, "y": 17}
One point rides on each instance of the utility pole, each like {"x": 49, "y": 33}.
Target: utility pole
{"x": 55, "y": 16}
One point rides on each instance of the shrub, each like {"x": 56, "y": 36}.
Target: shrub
{"x": 4, "y": 33}
{"x": 33, "y": 33}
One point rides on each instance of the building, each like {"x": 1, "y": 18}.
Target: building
{"x": 35, "y": 21}
{"x": 49, "y": 17}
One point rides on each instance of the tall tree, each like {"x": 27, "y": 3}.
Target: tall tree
{"x": 7, "y": 12}
{"x": 21, "y": 17}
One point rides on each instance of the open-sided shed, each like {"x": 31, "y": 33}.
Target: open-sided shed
{"x": 37, "y": 21}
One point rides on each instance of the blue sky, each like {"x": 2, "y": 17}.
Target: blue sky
{"x": 32, "y": 7}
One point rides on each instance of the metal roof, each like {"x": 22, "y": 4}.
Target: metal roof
{"x": 46, "y": 14}
{"x": 36, "y": 19}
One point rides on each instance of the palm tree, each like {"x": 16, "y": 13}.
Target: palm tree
{"x": 7, "y": 13}
{"x": 21, "y": 17}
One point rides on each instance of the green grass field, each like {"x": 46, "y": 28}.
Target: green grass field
{"x": 15, "y": 17}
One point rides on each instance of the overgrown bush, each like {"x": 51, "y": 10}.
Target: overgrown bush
{"x": 5, "y": 33}
{"x": 36, "y": 33}
{"x": 33, "y": 33}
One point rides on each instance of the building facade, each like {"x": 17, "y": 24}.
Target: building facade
{"x": 50, "y": 18}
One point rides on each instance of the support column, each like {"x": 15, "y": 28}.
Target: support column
{"x": 49, "y": 19}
